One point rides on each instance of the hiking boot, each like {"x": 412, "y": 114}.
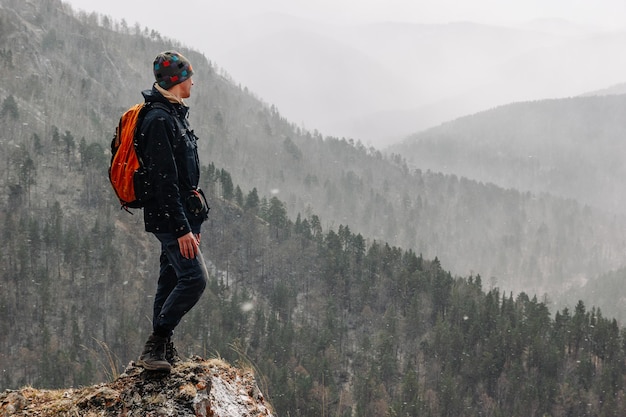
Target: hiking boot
{"x": 171, "y": 354}
{"x": 153, "y": 356}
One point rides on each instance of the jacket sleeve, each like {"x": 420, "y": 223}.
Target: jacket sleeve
{"x": 159, "y": 154}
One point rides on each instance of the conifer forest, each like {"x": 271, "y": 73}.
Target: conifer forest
{"x": 351, "y": 283}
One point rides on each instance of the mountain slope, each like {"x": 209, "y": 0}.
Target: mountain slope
{"x": 469, "y": 225}
{"x": 573, "y": 148}
{"x": 334, "y": 319}
{"x": 469, "y": 67}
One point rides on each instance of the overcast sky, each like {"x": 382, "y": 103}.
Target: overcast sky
{"x": 194, "y": 17}
{"x": 217, "y": 28}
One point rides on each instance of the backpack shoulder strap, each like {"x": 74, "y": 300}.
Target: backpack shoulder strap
{"x": 146, "y": 108}
{"x": 158, "y": 105}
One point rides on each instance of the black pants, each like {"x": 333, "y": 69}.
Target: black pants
{"x": 181, "y": 283}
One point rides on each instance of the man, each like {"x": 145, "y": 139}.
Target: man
{"x": 175, "y": 214}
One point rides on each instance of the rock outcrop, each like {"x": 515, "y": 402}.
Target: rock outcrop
{"x": 196, "y": 387}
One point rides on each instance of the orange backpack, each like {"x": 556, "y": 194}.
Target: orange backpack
{"x": 127, "y": 174}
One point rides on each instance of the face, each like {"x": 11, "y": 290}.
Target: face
{"x": 183, "y": 90}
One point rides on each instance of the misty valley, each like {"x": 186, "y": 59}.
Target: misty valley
{"x": 474, "y": 268}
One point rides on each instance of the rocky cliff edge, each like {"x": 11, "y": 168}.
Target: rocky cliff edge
{"x": 196, "y": 387}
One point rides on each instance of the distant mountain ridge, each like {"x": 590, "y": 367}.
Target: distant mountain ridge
{"x": 616, "y": 89}
{"x": 470, "y": 67}
{"x": 573, "y": 148}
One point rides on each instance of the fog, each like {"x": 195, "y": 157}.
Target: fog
{"x": 376, "y": 71}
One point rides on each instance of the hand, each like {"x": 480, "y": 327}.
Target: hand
{"x": 189, "y": 245}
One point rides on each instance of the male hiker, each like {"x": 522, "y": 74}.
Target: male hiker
{"x": 176, "y": 212}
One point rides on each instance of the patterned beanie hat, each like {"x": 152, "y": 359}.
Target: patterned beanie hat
{"x": 171, "y": 68}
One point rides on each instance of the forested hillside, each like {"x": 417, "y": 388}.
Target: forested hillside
{"x": 329, "y": 261}
{"x": 571, "y": 147}
{"x": 76, "y": 75}
{"x": 332, "y": 324}
{"x": 606, "y": 290}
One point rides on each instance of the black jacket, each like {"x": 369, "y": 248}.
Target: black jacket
{"x": 170, "y": 154}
